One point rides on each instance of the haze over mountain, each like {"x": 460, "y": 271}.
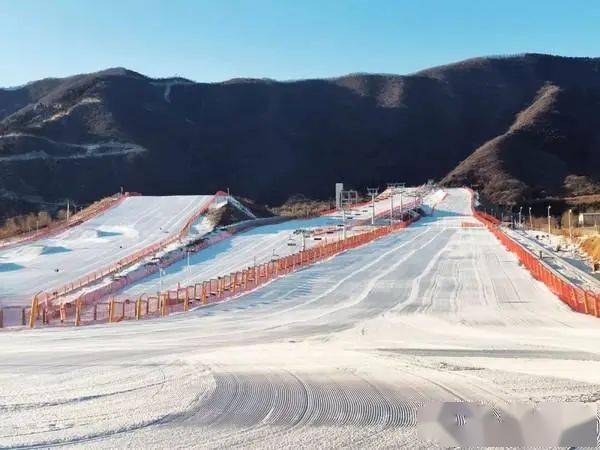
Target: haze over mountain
{"x": 525, "y": 126}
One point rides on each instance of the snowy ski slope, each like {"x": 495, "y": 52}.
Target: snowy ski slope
{"x": 239, "y": 251}
{"x": 257, "y": 245}
{"x": 132, "y": 225}
{"x": 340, "y": 354}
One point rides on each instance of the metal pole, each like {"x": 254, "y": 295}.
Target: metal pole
{"x": 373, "y": 192}
{"x": 549, "y": 206}
{"x": 344, "y": 219}
{"x": 372, "y": 209}
{"x": 68, "y": 209}
{"x": 392, "y": 208}
{"x": 530, "y": 220}
{"x": 188, "y": 260}
{"x": 520, "y": 222}
{"x": 401, "y": 208}
{"x": 570, "y": 232}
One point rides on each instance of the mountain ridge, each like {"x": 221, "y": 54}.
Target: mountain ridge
{"x": 84, "y": 136}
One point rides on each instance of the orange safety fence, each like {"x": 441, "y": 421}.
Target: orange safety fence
{"x": 578, "y": 299}
{"x": 99, "y": 274}
{"x": 210, "y": 291}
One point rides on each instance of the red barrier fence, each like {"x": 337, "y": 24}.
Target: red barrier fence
{"x": 230, "y": 285}
{"x": 579, "y": 299}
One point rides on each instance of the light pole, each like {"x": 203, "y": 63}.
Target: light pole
{"x": 343, "y": 222}
{"x": 372, "y": 192}
{"x": 392, "y": 208}
{"x": 530, "y": 220}
{"x": 393, "y": 187}
{"x": 188, "y": 260}
{"x": 401, "y": 207}
{"x": 520, "y": 210}
{"x": 549, "y": 206}
{"x": 570, "y": 232}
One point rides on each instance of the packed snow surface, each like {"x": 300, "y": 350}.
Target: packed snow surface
{"x": 257, "y": 246}
{"x": 132, "y": 225}
{"x": 340, "y": 354}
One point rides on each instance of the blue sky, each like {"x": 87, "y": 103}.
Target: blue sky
{"x": 221, "y": 39}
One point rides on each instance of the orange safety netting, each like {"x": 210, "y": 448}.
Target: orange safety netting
{"x": 215, "y": 290}
{"x": 579, "y": 299}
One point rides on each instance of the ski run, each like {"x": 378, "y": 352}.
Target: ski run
{"x": 339, "y": 354}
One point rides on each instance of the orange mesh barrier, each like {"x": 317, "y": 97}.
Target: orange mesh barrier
{"x": 210, "y": 291}
{"x": 579, "y": 299}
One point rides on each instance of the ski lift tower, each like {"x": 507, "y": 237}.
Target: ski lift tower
{"x": 345, "y": 201}
{"x": 373, "y": 193}
{"x": 394, "y": 187}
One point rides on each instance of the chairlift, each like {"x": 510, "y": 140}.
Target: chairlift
{"x": 291, "y": 242}
{"x": 317, "y": 238}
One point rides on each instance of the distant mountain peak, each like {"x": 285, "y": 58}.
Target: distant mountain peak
{"x": 521, "y": 126}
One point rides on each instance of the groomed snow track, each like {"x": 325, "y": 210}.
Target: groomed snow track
{"x": 131, "y": 226}
{"x": 340, "y": 354}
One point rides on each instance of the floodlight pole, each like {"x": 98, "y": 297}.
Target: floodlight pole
{"x": 344, "y": 219}
{"x": 372, "y": 208}
{"x": 549, "y": 206}
{"x": 392, "y": 208}
{"x": 401, "y": 207}
{"x": 373, "y": 193}
{"x": 520, "y": 210}
{"x": 530, "y": 220}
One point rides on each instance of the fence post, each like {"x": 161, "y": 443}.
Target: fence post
{"x": 62, "y": 312}
{"x": 203, "y": 294}
{"x": 165, "y": 304}
{"x": 138, "y": 308}
{"x": 111, "y": 309}
{"x": 1, "y": 318}
{"x": 34, "y": 311}
{"x": 78, "y": 312}
{"x": 186, "y": 301}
